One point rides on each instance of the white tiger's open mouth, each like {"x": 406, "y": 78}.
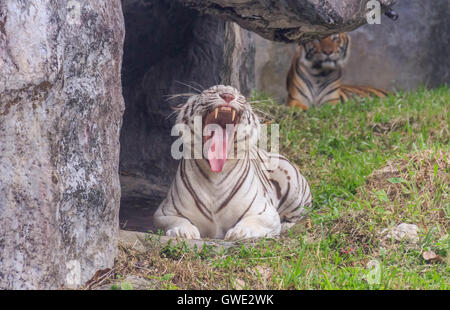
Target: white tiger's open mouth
{"x": 220, "y": 125}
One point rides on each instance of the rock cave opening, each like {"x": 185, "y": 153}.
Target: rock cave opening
{"x": 168, "y": 49}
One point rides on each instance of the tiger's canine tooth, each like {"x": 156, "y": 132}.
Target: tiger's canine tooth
{"x": 233, "y": 116}
{"x": 216, "y": 112}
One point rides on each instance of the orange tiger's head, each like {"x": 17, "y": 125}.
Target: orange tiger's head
{"x": 327, "y": 54}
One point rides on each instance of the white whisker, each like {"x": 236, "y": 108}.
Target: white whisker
{"x": 260, "y": 101}
{"x": 172, "y": 114}
{"x": 171, "y": 97}
{"x": 200, "y": 85}
{"x": 190, "y": 86}
{"x": 263, "y": 113}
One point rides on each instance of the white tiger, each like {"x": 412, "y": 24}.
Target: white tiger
{"x": 227, "y": 198}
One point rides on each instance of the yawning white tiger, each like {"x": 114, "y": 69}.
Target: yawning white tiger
{"x": 220, "y": 196}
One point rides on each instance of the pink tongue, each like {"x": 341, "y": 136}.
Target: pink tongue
{"x": 217, "y": 155}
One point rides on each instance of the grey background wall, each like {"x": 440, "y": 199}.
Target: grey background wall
{"x": 405, "y": 54}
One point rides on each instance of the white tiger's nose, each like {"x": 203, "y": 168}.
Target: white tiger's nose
{"x": 227, "y": 97}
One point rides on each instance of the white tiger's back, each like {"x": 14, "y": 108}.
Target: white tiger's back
{"x": 291, "y": 189}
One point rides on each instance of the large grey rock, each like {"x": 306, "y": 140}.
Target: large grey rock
{"x": 402, "y": 54}
{"x": 402, "y": 232}
{"x": 60, "y": 113}
{"x": 169, "y": 48}
{"x": 290, "y": 20}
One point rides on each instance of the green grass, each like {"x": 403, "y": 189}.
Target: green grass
{"x": 339, "y": 149}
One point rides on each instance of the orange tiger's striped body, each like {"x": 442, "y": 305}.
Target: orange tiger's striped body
{"x": 315, "y": 76}
{"x": 348, "y": 91}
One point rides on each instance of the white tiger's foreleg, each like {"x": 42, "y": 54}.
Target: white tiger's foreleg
{"x": 177, "y": 226}
{"x": 266, "y": 224}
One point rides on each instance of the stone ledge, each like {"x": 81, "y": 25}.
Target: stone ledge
{"x": 142, "y": 242}
{"x": 290, "y": 21}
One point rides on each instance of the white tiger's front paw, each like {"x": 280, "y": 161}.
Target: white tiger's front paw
{"x": 245, "y": 232}
{"x": 187, "y": 231}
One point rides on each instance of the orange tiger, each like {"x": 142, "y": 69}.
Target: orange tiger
{"x": 316, "y": 73}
